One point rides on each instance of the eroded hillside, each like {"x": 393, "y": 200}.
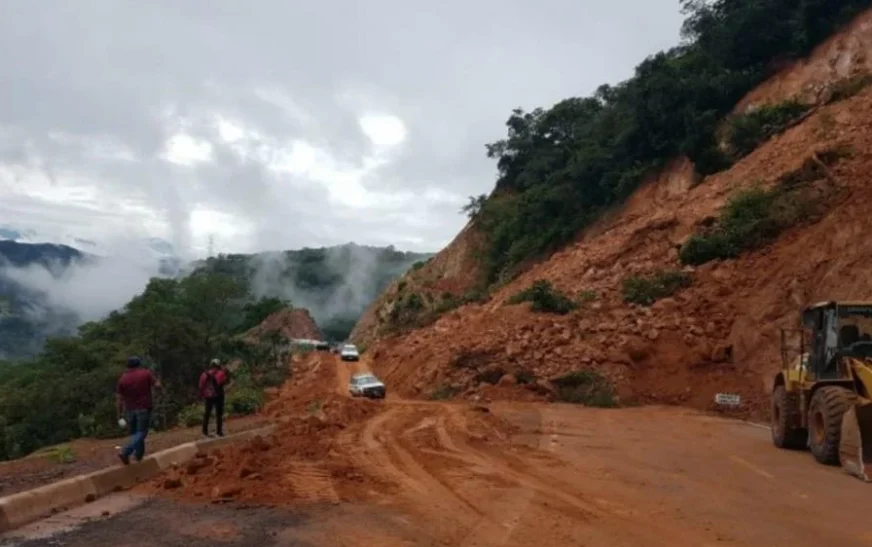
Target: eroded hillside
{"x": 719, "y": 331}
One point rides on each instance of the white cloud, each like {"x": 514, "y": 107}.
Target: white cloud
{"x": 183, "y": 149}
{"x": 384, "y": 131}
{"x": 300, "y": 124}
{"x": 224, "y": 228}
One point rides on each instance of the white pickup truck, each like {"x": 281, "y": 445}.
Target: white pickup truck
{"x": 349, "y": 353}
{"x": 365, "y": 384}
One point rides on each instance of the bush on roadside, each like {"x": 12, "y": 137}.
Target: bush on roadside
{"x": 274, "y": 377}
{"x": 585, "y": 387}
{"x": 243, "y": 400}
{"x": 647, "y": 290}
{"x": 191, "y": 415}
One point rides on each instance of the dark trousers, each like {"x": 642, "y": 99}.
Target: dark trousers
{"x": 138, "y": 420}
{"x": 217, "y": 403}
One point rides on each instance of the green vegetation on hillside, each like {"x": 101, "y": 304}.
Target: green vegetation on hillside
{"x": 544, "y": 298}
{"x": 645, "y": 290}
{"x": 559, "y": 168}
{"x": 335, "y": 284}
{"x": 749, "y": 130}
{"x": 176, "y": 326}
{"x": 755, "y": 216}
{"x": 412, "y": 309}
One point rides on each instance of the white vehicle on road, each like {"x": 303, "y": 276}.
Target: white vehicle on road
{"x": 365, "y": 384}
{"x": 349, "y": 353}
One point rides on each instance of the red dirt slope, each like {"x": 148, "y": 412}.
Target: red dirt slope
{"x": 720, "y": 335}
{"x": 292, "y": 323}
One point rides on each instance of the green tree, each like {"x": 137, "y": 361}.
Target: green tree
{"x": 175, "y": 325}
{"x": 559, "y": 168}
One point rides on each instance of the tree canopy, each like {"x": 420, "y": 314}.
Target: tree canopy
{"x": 559, "y": 168}
{"x": 175, "y": 326}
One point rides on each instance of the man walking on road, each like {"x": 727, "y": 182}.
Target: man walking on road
{"x": 133, "y": 398}
{"x": 212, "y": 384}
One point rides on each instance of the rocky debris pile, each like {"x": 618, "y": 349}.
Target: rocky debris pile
{"x": 280, "y": 469}
{"x": 290, "y": 322}
{"x": 720, "y": 334}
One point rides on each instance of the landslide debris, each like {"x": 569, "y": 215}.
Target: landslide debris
{"x": 290, "y": 323}
{"x": 678, "y": 294}
{"x": 303, "y": 460}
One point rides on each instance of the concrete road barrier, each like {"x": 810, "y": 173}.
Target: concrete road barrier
{"x": 25, "y": 507}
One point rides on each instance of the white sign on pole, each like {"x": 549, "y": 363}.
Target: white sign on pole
{"x": 727, "y": 399}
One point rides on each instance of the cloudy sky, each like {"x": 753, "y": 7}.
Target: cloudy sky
{"x": 281, "y": 123}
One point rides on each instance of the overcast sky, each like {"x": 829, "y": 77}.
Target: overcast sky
{"x": 275, "y": 124}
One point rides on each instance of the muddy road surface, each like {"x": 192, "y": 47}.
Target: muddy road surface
{"x": 519, "y": 474}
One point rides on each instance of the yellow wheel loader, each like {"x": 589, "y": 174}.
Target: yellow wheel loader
{"x": 822, "y": 397}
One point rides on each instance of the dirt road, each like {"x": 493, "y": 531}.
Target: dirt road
{"x": 518, "y": 474}
{"x": 577, "y": 476}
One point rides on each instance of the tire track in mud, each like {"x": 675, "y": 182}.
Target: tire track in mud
{"x": 450, "y": 474}
{"x": 312, "y": 483}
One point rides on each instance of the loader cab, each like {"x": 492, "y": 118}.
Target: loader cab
{"x": 837, "y": 329}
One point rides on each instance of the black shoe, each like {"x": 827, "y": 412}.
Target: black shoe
{"x": 124, "y": 459}
{"x": 221, "y": 434}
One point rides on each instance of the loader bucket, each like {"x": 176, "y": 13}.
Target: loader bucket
{"x": 855, "y": 447}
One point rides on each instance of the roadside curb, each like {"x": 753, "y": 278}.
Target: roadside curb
{"x": 24, "y": 507}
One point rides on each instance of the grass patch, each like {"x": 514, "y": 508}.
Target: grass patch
{"x": 848, "y": 87}
{"x": 314, "y": 407}
{"x": 61, "y": 454}
{"x": 647, "y": 290}
{"x": 413, "y": 310}
{"x": 754, "y": 217}
{"x": 544, "y": 299}
{"x": 191, "y": 415}
{"x": 444, "y": 392}
{"x": 750, "y": 130}
{"x": 586, "y": 296}
{"x": 585, "y": 387}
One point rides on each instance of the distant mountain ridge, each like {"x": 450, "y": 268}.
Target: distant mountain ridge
{"x": 335, "y": 283}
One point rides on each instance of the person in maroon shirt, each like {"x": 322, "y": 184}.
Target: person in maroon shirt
{"x": 133, "y": 398}
{"x": 212, "y": 384}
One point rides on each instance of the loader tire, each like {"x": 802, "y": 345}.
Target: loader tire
{"x": 828, "y": 406}
{"x": 786, "y": 432}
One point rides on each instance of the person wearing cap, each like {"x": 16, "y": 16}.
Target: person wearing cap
{"x": 212, "y": 383}
{"x": 133, "y": 399}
